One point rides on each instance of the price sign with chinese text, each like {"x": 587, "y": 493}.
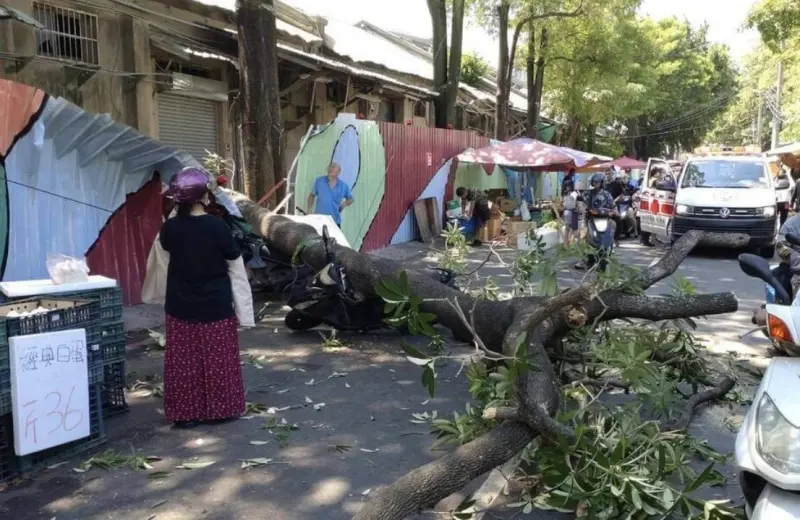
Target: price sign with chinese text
{"x": 49, "y": 389}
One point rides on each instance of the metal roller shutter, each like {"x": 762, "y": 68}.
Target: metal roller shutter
{"x": 188, "y": 124}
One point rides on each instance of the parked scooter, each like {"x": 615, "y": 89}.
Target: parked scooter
{"x": 777, "y": 295}
{"x": 329, "y": 298}
{"x": 600, "y": 236}
{"x": 624, "y": 205}
{"x": 768, "y": 444}
{"x": 268, "y": 269}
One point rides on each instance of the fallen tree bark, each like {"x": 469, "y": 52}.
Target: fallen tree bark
{"x": 500, "y": 325}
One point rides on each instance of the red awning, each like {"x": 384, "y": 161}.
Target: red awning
{"x": 527, "y": 153}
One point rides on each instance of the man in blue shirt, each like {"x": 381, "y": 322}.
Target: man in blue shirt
{"x": 332, "y": 195}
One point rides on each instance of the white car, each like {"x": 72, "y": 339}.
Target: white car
{"x": 728, "y": 193}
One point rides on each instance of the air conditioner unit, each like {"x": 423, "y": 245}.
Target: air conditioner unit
{"x": 195, "y": 86}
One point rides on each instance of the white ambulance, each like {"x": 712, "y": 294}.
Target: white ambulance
{"x": 719, "y": 190}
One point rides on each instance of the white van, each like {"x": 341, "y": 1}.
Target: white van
{"x": 729, "y": 193}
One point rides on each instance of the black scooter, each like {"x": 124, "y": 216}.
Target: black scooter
{"x": 269, "y": 270}
{"x": 329, "y": 298}
{"x": 627, "y": 215}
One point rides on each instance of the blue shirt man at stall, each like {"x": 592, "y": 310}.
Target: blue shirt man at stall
{"x": 332, "y": 195}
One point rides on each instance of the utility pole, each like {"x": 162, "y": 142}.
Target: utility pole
{"x": 760, "y": 122}
{"x": 776, "y": 121}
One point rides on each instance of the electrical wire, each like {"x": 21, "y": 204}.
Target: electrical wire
{"x": 673, "y": 131}
{"x": 694, "y": 113}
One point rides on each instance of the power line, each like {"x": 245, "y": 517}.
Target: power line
{"x": 673, "y": 131}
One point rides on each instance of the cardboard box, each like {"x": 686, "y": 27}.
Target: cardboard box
{"x": 494, "y": 228}
{"x": 520, "y": 227}
{"x": 507, "y": 205}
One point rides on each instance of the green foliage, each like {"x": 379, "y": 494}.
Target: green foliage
{"x": 737, "y": 124}
{"x": 473, "y": 69}
{"x": 490, "y": 290}
{"x": 621, "y": 464}
{"x": 455, "y": 250}
{"x": 776, "y": 20}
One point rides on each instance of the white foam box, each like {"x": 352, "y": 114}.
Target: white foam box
{"x": 26, "y": 288}
{"x": 550, "y": 238}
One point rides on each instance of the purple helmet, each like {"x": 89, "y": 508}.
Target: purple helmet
{"x": 189, "y": 186}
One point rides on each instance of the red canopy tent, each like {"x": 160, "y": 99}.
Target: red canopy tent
{"x": 525, "y": 153}
{"x": 623, "y": 163}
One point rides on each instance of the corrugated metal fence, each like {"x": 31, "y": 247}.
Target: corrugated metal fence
{"x": 413, "y": 156}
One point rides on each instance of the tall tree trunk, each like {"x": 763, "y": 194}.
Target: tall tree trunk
{"x": 438, "y": 13}
{"x": 262, "y": 131}
{"x": 538, "y": 85}
{"x": 503, "y": 85}
{"x": 591, "y": 138}
{"x": 531, "y": 129}
{"x": 454, "y": 71}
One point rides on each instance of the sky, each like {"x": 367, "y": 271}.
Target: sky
{"x": 725, "y": 18}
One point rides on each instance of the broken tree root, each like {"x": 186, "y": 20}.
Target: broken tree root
{"x": 504, "y": 327}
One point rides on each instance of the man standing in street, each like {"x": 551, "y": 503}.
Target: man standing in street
{"x": 478, "y": 212}
{"x": 331, "y": 194}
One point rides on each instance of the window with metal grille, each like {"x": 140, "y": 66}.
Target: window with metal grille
{"x": 67, "y": 34}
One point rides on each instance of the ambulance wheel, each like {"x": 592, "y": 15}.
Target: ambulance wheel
{"x": 298, "y": 321}
{"x": 767, "y": 252}
{"x": 644, "y": 239}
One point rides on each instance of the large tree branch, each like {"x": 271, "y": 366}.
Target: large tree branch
{"x": 553, "y": 14}
{"x": 501, "y": 325}
{"x": 425, "y": 486}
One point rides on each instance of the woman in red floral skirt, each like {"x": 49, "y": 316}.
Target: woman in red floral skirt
{"x": 202, "y": 375}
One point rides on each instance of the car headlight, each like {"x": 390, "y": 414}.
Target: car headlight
{"x": 683, "y": 209}
{"x": 778, "y": 440}
{"x": 768, "y": 211}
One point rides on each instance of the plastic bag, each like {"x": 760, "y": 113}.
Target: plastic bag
{"x": 65, "y": 269}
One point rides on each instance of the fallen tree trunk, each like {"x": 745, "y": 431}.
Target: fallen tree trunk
{"x": 499, "y": 325}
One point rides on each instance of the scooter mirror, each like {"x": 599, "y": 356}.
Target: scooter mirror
{"x": 757, "y": 267}
{"x": 793, "y": 239}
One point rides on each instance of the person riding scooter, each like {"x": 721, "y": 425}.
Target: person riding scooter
{"x": 599, "y": 203}
{"x": 624, "y": 206}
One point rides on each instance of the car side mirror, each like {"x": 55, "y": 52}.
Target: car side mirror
{"x": 793, "y": 239}
{"x": 783, "y": 184}
{"x": 757, "y": 267}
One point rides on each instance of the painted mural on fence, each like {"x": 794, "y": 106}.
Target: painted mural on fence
{"x": 78, "y": 184}
{"x": 388, "y": 167}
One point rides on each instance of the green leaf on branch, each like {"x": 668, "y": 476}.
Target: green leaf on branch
{"x": 429, "y": 379}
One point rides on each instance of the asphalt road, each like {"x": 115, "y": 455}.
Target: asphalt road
{"x": 361, "y": 438}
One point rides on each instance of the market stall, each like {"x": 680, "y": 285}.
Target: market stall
{"x": 529, "y": 164}
{"x": 788, "y": 154}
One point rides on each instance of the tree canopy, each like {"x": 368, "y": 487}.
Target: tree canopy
{"x": 660, "y": 84}
{"x": 777, "y": 22}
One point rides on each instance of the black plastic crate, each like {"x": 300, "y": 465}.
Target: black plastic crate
{"x": 111, "y": 313}
{"x": 109, "y": 297}
{"x": 95, "y": 373}
{"x": 110, "y": 301}
{"x": 7, "y": 468}
{"x": 5, "y": 403}
{"x": 112, "y": 395}
{"x": 43, "y": 459}
{"x": 112, "y": 332}
{"x": 64, "y": 314}
{"x": 114, "y": 352}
